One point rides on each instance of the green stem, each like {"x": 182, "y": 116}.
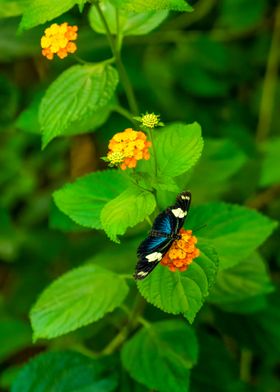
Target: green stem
{"x": 119, "y": 34}
{"x": 132, "y": 322}
{"x": 245, "y": 365}
{"x": 118, "y": 340}
{"x": 127, "y": 85}
{"x": 84, "y": 62}
{"x": 153, "y": 149}
{"x": 115, "y": 47}
{"x": 149, "y": 221}
{"x": 270, "y": 83}
{"x": 125, "y": 113}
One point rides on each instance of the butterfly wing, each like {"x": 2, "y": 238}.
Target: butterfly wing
{"x": 166, "y": 224}
{"x": 150, "y": 252}
{"x": 180, "y": 210}
{"x": 154, "y": 247}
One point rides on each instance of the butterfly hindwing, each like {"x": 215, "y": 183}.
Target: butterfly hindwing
{"x": 150, "y": 252}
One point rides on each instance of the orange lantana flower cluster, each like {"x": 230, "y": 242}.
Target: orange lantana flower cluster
{"x": 182, "y": 252}
{"x": 128, "y": 147}
{"x": 57, "y": 40}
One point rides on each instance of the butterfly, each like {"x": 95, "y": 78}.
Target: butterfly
{"x": 164, "y": 232}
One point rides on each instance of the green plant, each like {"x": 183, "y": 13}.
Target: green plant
{"x": 172, "y": 331}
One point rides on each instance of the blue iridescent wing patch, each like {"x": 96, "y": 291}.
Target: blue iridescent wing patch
{"x": 164, "y": 231}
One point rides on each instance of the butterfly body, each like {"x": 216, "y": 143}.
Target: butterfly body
{"x": 164, "y": 232}
{"x": 155, "y": 233}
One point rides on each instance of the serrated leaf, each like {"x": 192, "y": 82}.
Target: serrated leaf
{"x": 65, "y": 372}
{"x": 182, "y": 292}
{"x": 59, "y": 221}
{"x": 270, "y": 173}
{"x": 40, "y": 11}
{"x": 75, "y": 95}
{"x": 84, "y": 199}
{"x": 234, "y": 231}
{"x": 161, "y": 356}
{"x": 245, "y": 280}
{"x": 155, "y": 5}
{"x": 129, "y": 23}
{"x": 76, "y": 299}
{"x": 129, "y": 208}
{"x": 178, "y": 147}
{"x": 28, "y": 120}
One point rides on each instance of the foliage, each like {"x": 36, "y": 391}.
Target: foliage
{"x": 206, "y": 73}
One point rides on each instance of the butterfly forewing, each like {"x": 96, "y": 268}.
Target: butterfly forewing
{"x": 164, "y": 230}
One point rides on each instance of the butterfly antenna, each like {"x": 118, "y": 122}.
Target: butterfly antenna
{"x": 196, "y": 229}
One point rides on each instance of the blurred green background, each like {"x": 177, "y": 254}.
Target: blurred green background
{"x": 217, "y": 66}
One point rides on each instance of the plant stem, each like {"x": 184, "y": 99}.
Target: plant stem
{"x": 149, "y": 220}
{"x": 270, "y": 83}
{"x": 264, "y": 198}
{"x": 132, "y": 322}
{"x": 153, "y": 149}
{"x": 125, "y": 113}
{"x": 115, "y": 47}
{"x": 245, "y": 365}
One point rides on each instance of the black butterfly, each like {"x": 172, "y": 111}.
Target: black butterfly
{"x": 164, "y": 231}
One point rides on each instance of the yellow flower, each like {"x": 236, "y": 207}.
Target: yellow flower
{"x": 182, "y": 252}
{"x": 150, "y": 120}
{"x": 115, "y": 158}
{"x": 128, "y": 147}
{"x": 58, "y": 40}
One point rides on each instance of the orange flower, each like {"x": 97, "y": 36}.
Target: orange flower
{"x": 182, "y": 252}
{"x": 57, "y": 40}
{"x": 128, "y": 147}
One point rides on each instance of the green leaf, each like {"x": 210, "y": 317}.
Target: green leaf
{"x": 161, "y": 356}
{"x": 14, "y": 336}
{"x": 221, "y": 159}
{"x": 28, "y": 120}
{"x": 182, "y": 292}
{"x": 154, "y": 5}
{"x": 65, "y": 372}
{"x": 129, "y": 23}
{"x": 9, "y": 8}
{"x": 234, "y": 231}
{"x": 270, "y": 173}
{"x": 58, "y": 220}
{"x": 243, "y": 281}
{"x": 75, "y": 96}
{"x": 76, "y": 299}
{"x": 129, "y": 208}
{"x": 239, "y": 15}
{"x": 40, "y": 11}
{"x": 178, "y": 147}
{"x": 247, "y": 305}
{"x": 84, "y": 199}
